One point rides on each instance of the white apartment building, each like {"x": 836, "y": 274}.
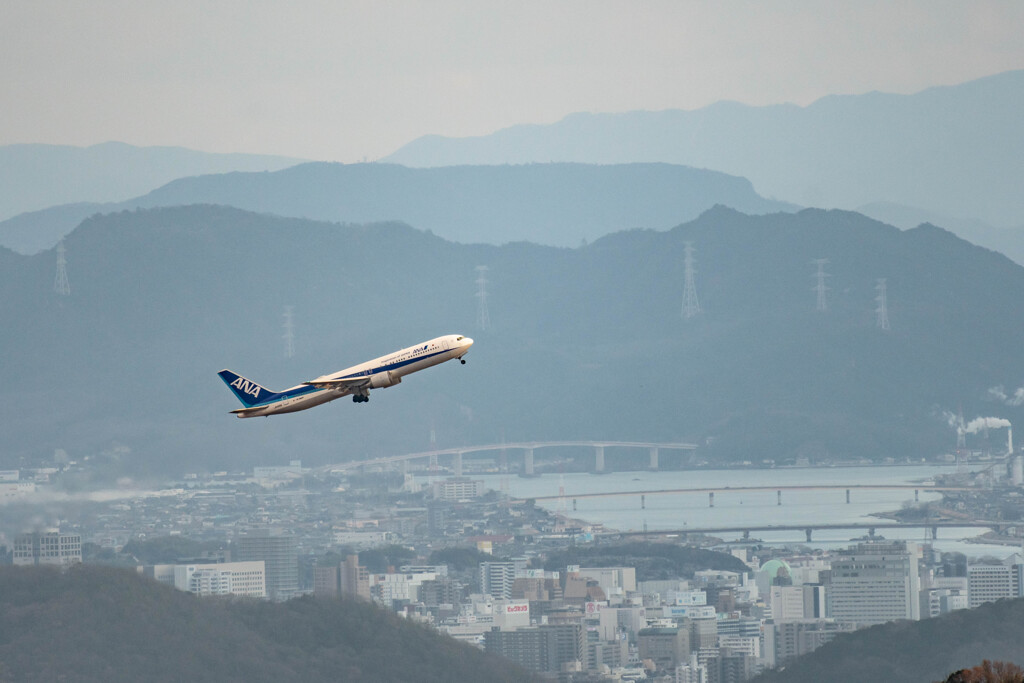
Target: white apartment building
{"x": 873, "y": 583}
{"x": 227, "y": 578}
{"x": 991, "y": 582}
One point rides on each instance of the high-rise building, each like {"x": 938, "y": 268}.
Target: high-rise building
{"x": 873, "y": 583}
{"x": 549, "y": 648}
{"x": 497, "y": 578}
{"x": 991, "y": 582}
{"x": 48, "y": 547}
{"x": 279, "y": 552}
{"x": 354, "y": 580}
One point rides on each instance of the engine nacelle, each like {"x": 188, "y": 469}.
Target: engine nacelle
{"x": 383, "y": 380}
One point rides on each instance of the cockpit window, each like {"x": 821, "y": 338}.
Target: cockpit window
{"x": 459, "y": 339}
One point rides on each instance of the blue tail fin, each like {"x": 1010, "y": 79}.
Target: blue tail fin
{"x": 248, "y": 392}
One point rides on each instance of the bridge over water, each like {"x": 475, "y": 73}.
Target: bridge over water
{"x": 871, "y": 527}
{"x": 711, "y": 491}
{"x": 527, "y": 447}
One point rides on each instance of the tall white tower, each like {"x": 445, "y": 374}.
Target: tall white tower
{"x": 882, "y": 309}
{"x": 483, "y": 316}
{"x": 691, "y": 305}
{"x": 289, "y": 332}
{"x": 60, "y": 283}
{"x": 820, "y": 287}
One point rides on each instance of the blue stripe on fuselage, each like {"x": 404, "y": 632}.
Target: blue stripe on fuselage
{"x": 393, "y": 366}
{"x": 302, "y": 391}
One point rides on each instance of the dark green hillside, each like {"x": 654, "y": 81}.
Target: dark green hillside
{"x": 101, "y": 624}
{"x": 914, "y": 652}
{"x": 586, "y": 343}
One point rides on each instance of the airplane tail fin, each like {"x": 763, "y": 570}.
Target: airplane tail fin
{"x": 247, "y": 391}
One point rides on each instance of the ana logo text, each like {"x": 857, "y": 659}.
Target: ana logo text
{"x": 247, "y": 387}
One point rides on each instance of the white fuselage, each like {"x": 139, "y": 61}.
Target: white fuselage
{"x": 357, "y": 380}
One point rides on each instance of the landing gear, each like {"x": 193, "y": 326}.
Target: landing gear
{"x": 360, "y": 398}
{"x": 462, "y": 360}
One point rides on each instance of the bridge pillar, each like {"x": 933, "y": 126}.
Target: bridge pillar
{"x": 599, "y": 459}
{"x": 779, "y": 497}
{"x": 433, "y": 464}
{"x": 847, "y": 496}
{"x": 528, "y": 463}
{"x": 654, "y": 458}
{"x": 458, "y": 464}
{"x": 935, "y": 532}
{"x": 916, "y": 498}
{"x": 808, "y": 532}
{"x": 643, "y": 502}
{"x": 711, "y": 499}
{"x": 746, "y": 534}
{"x": 574, "y": 505}
{"x": 871, "y": 532}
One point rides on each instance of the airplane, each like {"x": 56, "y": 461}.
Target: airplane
{"x": 356, "y": 381}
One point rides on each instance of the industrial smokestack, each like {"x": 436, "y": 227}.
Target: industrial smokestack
{"x": 1009, "y": 442}
{"x": 1017, "y": 471}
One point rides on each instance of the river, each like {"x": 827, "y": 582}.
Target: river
{"x": 738, "y": 508}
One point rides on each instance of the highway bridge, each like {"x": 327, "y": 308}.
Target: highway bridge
{"x": 527, "y": 447}
{"x": 711, "y": 491}
{"x": 746, "y": 530}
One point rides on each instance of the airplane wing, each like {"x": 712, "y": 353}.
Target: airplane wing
{"x": 342, "y": 384}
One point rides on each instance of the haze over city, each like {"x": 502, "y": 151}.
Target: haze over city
{"x": 731, "y": 290}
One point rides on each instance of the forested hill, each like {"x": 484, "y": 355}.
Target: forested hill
{"x": 585, "y": 343}
{"x": 914, "y": 651}
{"x": 95, "y": 623}
{"x": 556, "y": 204}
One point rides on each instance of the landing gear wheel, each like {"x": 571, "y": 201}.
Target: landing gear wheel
{"x": 462, "y": 360}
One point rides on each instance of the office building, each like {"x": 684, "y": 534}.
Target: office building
{"x": 279, "y": 552}
{"x": 48, "y": 547}
{"x": 873, "y": 583}
{"x": 546, "y": 649}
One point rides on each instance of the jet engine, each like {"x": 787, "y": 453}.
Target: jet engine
{"x": 385, "y": 379}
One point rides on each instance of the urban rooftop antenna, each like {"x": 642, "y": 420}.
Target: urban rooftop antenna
{"x": 691, "y": 305}
{"x": 882, "y": 310}
{"x": 483, "y": 316}
{"x": 60, "y": 283}
{"x": 289, "y": 332}
{"x": 820, "y": 287}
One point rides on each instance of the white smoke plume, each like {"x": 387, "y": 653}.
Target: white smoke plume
{"x": 979, "y": 423}
{"x": 999, "y": 394}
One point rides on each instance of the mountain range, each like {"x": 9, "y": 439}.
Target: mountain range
{"x": 585, "y": 343}
{"x": 951, "y": 150}
{"x": 554, "y": 204}
{"x": 35, "y": 176}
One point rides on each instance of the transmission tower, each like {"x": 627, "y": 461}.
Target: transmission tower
{"x": 882, "y": 310}
{"x": 483, "y": 317}
{"x": 691, "y": 305}
{"x": 820, "y": 287}
{"x": 289, "y": 332}
{"x": 60, "y": 283}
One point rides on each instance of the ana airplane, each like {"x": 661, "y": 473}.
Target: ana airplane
{"x": 380, "y": 373}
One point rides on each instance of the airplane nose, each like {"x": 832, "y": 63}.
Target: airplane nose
{"x": 467, "y": 341}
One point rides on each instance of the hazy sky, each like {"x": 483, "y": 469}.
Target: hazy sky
{"x": 339, "y": 80}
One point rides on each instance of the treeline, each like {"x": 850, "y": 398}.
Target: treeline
{"x": 94, "y": 623}
{"x": 653, "y": 561}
